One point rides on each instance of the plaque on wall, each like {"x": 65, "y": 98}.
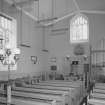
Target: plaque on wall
{"x": 75, "y": 62}
{"x": 53, "y": 67}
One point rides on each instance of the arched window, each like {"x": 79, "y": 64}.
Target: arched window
{"x": 7, "y": 32}
{"x": 79, "y": 29}
{"x": 8, "y": 36}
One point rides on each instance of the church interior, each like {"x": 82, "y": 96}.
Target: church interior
{"x": 52, "y": 52}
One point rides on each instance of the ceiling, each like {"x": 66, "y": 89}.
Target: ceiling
{"x": 49, "y": 9}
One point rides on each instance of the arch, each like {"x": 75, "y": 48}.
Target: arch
{"x": 79, "y": 29}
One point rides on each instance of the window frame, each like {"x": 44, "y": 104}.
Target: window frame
{"x": 71, "y": 23}
{"x": 4, "y": 68}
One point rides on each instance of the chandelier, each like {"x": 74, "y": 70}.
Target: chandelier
{"x": 9, "y": 56}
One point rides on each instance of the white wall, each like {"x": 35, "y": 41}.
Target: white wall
{"x": 57, "y": 43}
{"x": 60, "y": 45}
{"x": 29, "y": 33}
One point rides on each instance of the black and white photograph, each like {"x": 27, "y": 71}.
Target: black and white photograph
{"x": 52, "y": 52}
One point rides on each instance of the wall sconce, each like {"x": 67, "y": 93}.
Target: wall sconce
{"x": 53, "y": 59}
{"x": 34, "y": 59}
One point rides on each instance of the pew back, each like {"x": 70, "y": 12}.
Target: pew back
{"x": 46, "y": 91}
{"x": 96, "y": 102}
{"x": 79, "y": 89}
{"x": 99, "y": 91}
{"x": 21, "y": 99}
{"x": 72, "y": 91}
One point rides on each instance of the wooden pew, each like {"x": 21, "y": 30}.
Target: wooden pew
{"x": 59, "y": 89}
{"x": 78, "y": 92}
{"x": 100, "y": 86}
{"x": 72, "y": 93}
{"x": 98, "y": 95}
{"x": 60, "y": 81}
{"x": 39, "y": 90}
{"x": 96, "y": 102}
{"x": 23, "y": 100}
{"x": 65, "y": 100}
{"x": 20, "y": 101}
{"x": 68, "y": 100}
{"x": 60, "y": 98}
{"x": 77, "y": 85}
{"x": 101, "y": 91}
{"x": 73, "y": 84}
